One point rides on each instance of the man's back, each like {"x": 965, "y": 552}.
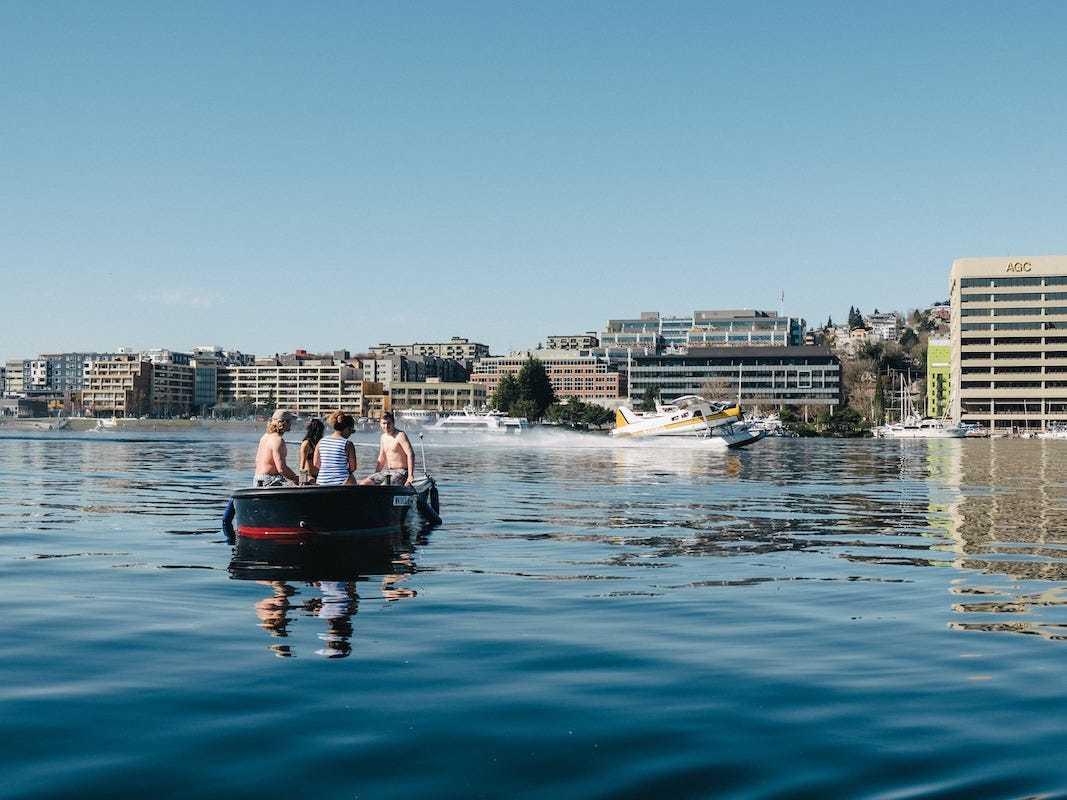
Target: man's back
{"x": 270, "y": 444}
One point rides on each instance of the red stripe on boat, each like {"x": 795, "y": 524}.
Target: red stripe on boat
{"x": 272, "y": 533}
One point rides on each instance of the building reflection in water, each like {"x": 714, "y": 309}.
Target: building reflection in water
{"x": 1006, "y": 518}
{"x": 319, "y": 580}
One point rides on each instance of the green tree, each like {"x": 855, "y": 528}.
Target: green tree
{"x": 855, "y": 318}
{"x": 535, "y": 387}
{"x": 506, "y": 394}
{"x": 525, "y": 408}
{"x": 648, "y": 400}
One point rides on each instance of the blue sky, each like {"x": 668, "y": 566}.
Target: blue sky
{"x": 271, "y": 176}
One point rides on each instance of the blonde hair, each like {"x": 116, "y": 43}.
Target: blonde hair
{"x": 278, "y": 426}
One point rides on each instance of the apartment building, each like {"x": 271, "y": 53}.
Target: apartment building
{"x": 14, "y": 382}
{"x": 571, "y": 373}
{"x": 763, "y": 376}
{"x": 885, "y": 327}
{"x": 313, "y": 387}
{"x": 118, "y": 386}
{"x": 436, "y": 395}
{"x": 1009, "y": 341}
{"x": 938, "y": 377}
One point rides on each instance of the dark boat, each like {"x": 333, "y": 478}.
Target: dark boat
{"x": 300, "y": 513}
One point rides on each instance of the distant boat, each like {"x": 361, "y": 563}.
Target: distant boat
{"x": 472, "y": 421}
{"x": 687, "y": 416}
{"x": 914, "y": 426}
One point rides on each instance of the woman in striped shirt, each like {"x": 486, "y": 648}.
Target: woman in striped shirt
{"x": 335, "y": 456}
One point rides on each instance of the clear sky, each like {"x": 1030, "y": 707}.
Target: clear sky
{"x": 270, "y": 176}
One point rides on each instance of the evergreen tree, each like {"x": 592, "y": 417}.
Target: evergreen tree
{"x": 535, "y": 387}
{"x": 648, "y": 401}
{"x": 506, "y": 394}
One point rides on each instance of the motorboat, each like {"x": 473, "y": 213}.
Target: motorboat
{"x": 416, "y": 416}
{"x": 473, "y": 421}
{"x": 299, "y": 513}
{"x": 690, "y": 416}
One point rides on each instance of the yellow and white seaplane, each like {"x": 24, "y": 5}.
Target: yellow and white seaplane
{"x": 688, "y": 416}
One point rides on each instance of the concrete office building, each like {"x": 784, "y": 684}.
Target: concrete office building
{"x": 767, "y": 377}
{"x": 577, "y": 341}
{"x": 729, "y": 327}
{"x": 938, "y": 377}
{"x": 571, "y": 373}
{"x": 457, "y": 347}
{"x": 1009, "y": 341}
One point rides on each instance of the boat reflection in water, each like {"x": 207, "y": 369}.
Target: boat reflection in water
{"x": 320, "y": 579}
{"x": 1006, "y": 518}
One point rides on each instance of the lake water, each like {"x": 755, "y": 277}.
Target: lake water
{"x": 806, "y": 618}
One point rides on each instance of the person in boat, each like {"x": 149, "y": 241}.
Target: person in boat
{"x": 271, "y": 469}
{"x": 308, "y": 472}
{"x": 396, "y": 459}
{"x": 335, "y": 456}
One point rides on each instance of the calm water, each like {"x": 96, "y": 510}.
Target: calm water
{"x": 807, "y": 618}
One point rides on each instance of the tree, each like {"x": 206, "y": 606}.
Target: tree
{"x": 525, "y": 408}
{"x": 535, "y": 387}
{"x": 878, "y": 404}
{"x": 855, "y": 318}
{"x": 648, "y": 400}
{"x": 829, "y": 322}
{"x": 506, "y": 394}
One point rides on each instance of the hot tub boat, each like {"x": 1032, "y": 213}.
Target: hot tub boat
{"x": 300, "y": 513}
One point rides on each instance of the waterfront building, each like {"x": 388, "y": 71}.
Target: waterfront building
{"x": 119, "y": 386}
{"x": 436, "y": 395}
{"x": 23, "y": 407}
{"x": 309, "y": 386}
{"x": 1009, "y": 341}
{"x": 457, "y": 347}
{"x": 572, "y": 373}
{"x": 390, "y": 369}
{"x": 654, "y": 332}
{"x": 577, "y": 341}
{"x": 885, "y": 327}
{"x": 938, "y": 377}
{"x": 15, "y": 382}
{"x": 761, "y": 376}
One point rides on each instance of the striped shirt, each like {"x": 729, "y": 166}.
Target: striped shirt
{"x": 333, "y": 461}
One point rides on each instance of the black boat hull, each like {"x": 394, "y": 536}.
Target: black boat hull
{"x": 293, "y": 514}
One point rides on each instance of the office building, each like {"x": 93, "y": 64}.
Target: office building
{"x": 457, "y": 347}
{"x": 767, "y": 377}
{"x": 654, "y": 332}
{"x": 577, "y": 341}
{"x": 571, "y": 373}
{"x": 1009, "y": 341}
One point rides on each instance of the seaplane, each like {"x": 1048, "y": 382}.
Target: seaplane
{"x": 690, "y": 416}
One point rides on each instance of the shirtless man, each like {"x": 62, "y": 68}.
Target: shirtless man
{"x": 396, "y": 459}
{"x": 271, "y": 469}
